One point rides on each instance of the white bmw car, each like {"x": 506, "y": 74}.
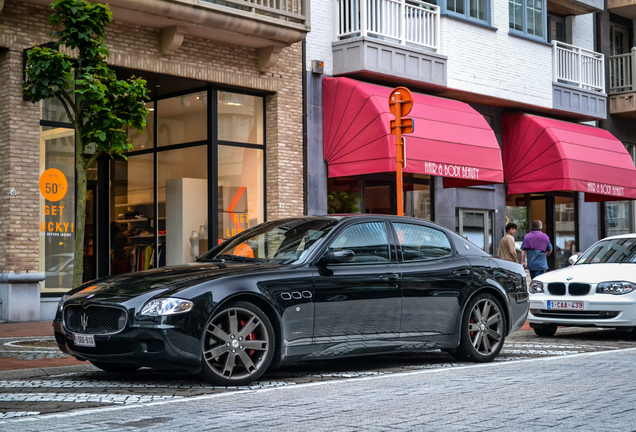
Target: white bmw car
{"x": 599, "y": 290}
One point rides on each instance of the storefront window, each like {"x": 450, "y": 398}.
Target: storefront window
{"x": 417, "y": 201}
{"x": 343, "y": 195}
{"x": 617, "y": 217}
{"x": 182, "y": 119}
{"x": 241, "y": 201}
{"x": 182, "y": 183}
{"x": 57, "y": 207}
{"x": 146, "y": 138}
{"x": 240, "y": 118}
{"x": 133, "y": 217}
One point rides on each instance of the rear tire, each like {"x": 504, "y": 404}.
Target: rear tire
{"x": 547, "y": 330}
{"x": 482, "y": 332}
{"x": 114, "y": 367}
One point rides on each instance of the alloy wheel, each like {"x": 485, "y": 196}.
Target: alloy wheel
{"x": 237, "y": 344}
{"x": 486, "y": 327}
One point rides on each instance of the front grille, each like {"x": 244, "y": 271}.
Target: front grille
{"x": 549, "y": 313}
{"x": 94, "y": 319}
{"x": 578, "y": 289}
{"x": 556, "y": 288}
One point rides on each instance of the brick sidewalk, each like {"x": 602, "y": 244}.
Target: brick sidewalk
{"x": 31, "y": 329}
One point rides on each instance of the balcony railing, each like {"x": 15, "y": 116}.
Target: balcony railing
{"x": 578, "y": 67}
{"x": 287, "y": 10}
{"x": 622, "y": 72}
{"x": 405, "y": 22}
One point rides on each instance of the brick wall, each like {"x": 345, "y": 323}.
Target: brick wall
{"x": 23, "y": 25}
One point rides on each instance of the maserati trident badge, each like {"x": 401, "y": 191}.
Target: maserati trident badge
{"x": 84, "y": 321}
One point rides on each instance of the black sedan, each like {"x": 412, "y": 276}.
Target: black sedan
{"x": 300, "y": 289}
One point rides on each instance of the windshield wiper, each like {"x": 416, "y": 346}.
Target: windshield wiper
{"x": 237, "y": 258}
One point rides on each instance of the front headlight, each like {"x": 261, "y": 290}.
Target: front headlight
{"x": 535, "y": 287}
{"x": 167, "y": 306}
{"x": 619, "y": 287}
{"x": 60, "y": 305}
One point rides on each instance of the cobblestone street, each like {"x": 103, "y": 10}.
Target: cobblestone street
{"x": 87, "y": 386}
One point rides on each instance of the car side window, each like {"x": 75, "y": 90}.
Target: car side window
{"x": 420, "y": 242}
{"x": 368, "y": 241}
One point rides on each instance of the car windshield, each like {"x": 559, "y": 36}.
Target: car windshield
{"x": 620, "y": 251}
{"x": 281, "y": 242}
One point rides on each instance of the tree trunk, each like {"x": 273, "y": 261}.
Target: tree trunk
{"x": 80, "y": 215}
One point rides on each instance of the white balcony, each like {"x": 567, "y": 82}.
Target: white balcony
{"x": 623, "y": 84}
{"x": 405, "y": 22}
{"x": 388, "y": 39}
{"x": 578, "y": 82}
{"x": 578, "y": 67}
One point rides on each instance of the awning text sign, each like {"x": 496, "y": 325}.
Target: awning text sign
{"x": 605, "y": 189}
{"x": 450, "y": 170}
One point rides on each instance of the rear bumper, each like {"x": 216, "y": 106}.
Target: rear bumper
{"x": 164, "y": 347}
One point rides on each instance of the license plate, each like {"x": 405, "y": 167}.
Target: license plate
{"x": 566, "y": 305}
{"x": 84, "y": 340}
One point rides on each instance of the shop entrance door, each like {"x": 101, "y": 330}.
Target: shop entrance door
{"x": 476, "y": 226}
{"x": 541, "y": 208}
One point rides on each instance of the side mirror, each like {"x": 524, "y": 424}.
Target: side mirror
{"x": 573, "y": 258}
{"x": 338, "y": 256}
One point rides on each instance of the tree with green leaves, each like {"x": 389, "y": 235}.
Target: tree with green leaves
{"x": 100, "y": 106}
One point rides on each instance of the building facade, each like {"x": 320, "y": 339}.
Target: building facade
{"x": 538, "y": 75}
{"x": 222, "y": 150}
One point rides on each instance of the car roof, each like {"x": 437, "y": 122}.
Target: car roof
{"x": 632, "y": 235}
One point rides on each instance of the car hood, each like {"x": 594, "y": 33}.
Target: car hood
{"x": 591, "y": 273}
{"x": 165, "y": 281}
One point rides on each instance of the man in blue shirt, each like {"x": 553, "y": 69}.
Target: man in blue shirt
{"x": 536, "y": 245}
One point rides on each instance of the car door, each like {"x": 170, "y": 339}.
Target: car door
{"x": 358, "y": 300}
{"x": 434, "y": 280}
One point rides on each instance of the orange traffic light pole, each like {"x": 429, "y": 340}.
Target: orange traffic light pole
{"x": 400, "y": 103}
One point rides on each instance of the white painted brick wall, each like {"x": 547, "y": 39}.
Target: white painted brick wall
{"x": 321, "y": 35}
{"x": 480, "y": 60}
{"x": 583, "y": 31}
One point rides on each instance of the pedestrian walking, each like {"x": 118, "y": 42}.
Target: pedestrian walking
{"x": 506, "y": 248}
{"x": 537, "y": 246}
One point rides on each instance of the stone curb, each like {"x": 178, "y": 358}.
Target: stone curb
{"x": 43, "y": 372}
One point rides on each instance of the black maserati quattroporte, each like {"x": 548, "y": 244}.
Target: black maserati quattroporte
{"x": 300, "y": 289}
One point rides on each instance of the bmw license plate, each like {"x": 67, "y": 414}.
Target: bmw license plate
{"x": 84, "y": 340}
{"x": 566, "y": 305}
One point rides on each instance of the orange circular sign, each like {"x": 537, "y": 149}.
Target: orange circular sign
{"x": 401, "y": 94}
{"x": 53, "y": 184}
{"x": 244, "y": 251}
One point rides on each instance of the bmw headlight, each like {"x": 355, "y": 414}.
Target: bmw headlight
{"x": 167, "y": 306}
{"x": 619, "y": 287}
{"x": 535, "y": 287}
{"x": 60, "y": 305}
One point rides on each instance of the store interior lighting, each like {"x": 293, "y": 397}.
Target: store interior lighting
{"x": 185, "y": 103}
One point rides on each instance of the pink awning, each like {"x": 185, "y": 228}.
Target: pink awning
{"x": 542, "y": 155}
{"x": 451, "y": 139}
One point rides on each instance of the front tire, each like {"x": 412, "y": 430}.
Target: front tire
{"x": 238, "y": 345}
{"x": 482, "y": 332}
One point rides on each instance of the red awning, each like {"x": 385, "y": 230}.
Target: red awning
{"x": 451, "y": 139}
{"x": 542, "y": 155}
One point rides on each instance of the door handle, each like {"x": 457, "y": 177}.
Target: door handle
{"x": 390, "y": 277}
{"x": 464, "y": 272}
